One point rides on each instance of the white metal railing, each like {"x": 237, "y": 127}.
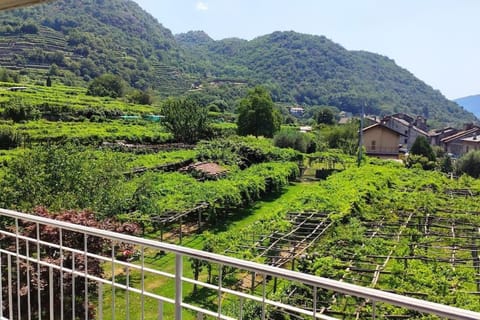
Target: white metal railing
{"x": 127, "y": 291}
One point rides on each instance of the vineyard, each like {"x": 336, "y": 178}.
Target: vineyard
{"x": 380, "y": 225}
{"x": 413, "y": 233}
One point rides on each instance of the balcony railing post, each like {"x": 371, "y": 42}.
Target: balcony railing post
{"x": 178, "y": 286}
{"x": 50, "y": 289}
{"x": 10, "y": 293}
{"x": 100, "y": 301}
{"x": 39, "y": 299}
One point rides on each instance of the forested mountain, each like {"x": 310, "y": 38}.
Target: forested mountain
{"x": 313, "y": 70}
{"x": 470, "y": 103}
{"x": 78, "y": 40}
{"x": 90, "y": 37}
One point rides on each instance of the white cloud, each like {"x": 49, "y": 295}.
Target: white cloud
{"x": 202, "y": 6}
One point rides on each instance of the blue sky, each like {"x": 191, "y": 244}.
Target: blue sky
{"x": 437, "y": 40}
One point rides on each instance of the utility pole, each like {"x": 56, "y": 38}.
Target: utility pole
{"x": 360, "y": 137}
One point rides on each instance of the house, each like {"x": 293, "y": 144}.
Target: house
{"x": 407, "y": 126}
{"x": 462, "y": 141}
{"x": 305, "y": 129}
{"x": 471, "y": 144}
{"x": 437, "y": 135}
{"x": 382, "y": 141}
{"x": 296, "y": 111}
{"x": 369, "y": 120}
{"x": 17, "y": 88}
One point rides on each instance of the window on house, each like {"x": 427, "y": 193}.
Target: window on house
{"x": 374, "y": 143}
{"x": 405, "y": 141}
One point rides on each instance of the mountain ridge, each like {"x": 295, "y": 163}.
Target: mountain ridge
{"x": 313, "y": 70}
{"x": 80, "y": 40}
{"x": 470, "y": 103}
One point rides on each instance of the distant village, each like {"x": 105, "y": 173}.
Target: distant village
{"x": 393, "y": 135}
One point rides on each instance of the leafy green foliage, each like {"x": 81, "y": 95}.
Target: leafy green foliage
{"x": 469, "y": 164}
{"x": 325, "y": 116}
{"x": 69, "y": 103}
{"x": 64, "y": 178}
{"x": 140, "y": 97}
{"x": 421, "y": 147}
{"x": 93, "y": 133}
{"x": 72, "y": 35}
{"x": 419, "y": 161}
{"x": 257, "y": 116}
{"x": 185, "y": 119}
{"x": 17, "y": 111}
{"x": 288, "y": 138}
{"x": 158, "y": 194}
{"x": 107, "y": 85}
{"x": 446, "y": 164}
{"x": 296, "y": 68}
{"x": 344, "y": 137}
{"x": 244, "y": 151}
{"x": 9, "y": 76}
{"x": 9, "y": 137}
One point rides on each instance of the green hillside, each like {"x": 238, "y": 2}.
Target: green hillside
{"x": 76, "y": 41}
{"x": 313, "y": 70}
{"x": 90, "y": 37}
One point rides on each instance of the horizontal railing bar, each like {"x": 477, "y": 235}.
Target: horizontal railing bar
{"x": 82, "y": 274}
{"x": 90, "y": 255}
{"x": 157, "y": 297}
{"x": 329, "y": 284}
{"x": 206, "y": 312}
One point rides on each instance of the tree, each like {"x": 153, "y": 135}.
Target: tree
{"x": 421, "y": 147}
{"x": 185, "y": 119}
{"x": 53, "y": 71}
{"x": 37, "y": 273}
{"x": 325, "y": 115}
{"x": 49, "y": 81}
{"x": 469, "y": 164}
{"x": 446, "y": 164}
{"x": 257, "y": 115}
{"x": 140, "y": 97}
{"x": 288, "y": 138}
{"x": 29, "y": 28}
{"x": 9, "y": 76}
{"x": 65, "y": 177}
{"x": 107, "y": 85}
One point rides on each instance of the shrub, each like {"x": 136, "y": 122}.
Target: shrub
{"x": 107, "y": 85}
{"x": 469, "y": 164}
{"x": 418, "y": 161}
{"x": 140, "y": 97}
{"x": 289, "y": 138}
{"x": 421, "y": 147}
{"x": 9, "y": 137}
{"x": 16, "y": 110}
